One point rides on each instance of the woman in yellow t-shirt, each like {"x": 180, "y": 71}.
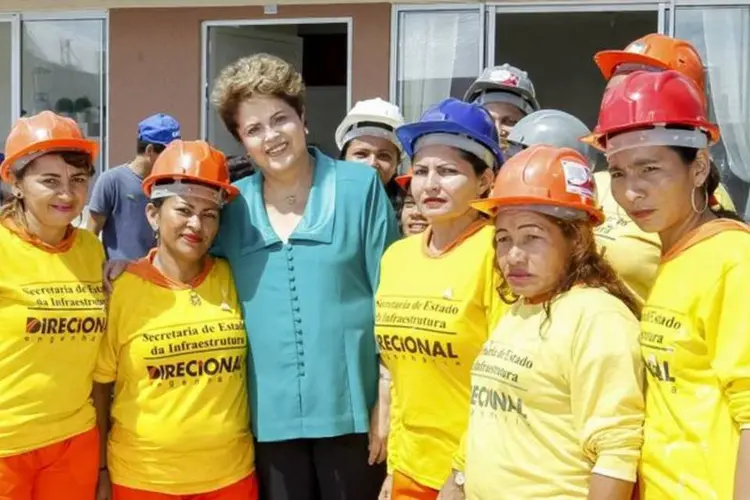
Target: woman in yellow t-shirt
{"x": 52, "y": 314}
{"x": 175, "y": 349}
{"x": 695, "y": 324}
{"x": 436, "y": 303}
{"x": 556, "y": 393}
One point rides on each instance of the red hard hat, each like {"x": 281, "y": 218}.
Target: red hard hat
{"x": 646, "y": 99}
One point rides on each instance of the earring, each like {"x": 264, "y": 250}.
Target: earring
{"x": 705, "y": 198}
{"x": 156, "y": 232}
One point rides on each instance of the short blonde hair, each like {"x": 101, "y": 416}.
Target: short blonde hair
{"x": 260, "y": 75}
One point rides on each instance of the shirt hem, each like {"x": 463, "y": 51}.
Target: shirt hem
{"x": 178, "y": 489}
{"x": 100, "y": 378}
{"x": 435, "y": 484}
{"x": 355, "y": 425}
{"x": 4, "y": 453}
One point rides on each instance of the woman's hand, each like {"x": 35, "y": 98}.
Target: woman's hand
{"x": 112, "y": 270}
{"x": 451, "y": 490}
{"x": 104, "y": 488}
{"x": 385, "y": 490}
{"x": 378, "y": 435}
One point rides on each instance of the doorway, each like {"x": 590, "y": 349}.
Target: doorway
{"x": 559, "y": 53}
{"x": 319, "y": 48}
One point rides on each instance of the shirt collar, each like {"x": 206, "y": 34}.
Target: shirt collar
{"x": 318, "y": 218}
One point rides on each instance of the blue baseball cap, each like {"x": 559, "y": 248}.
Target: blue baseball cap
{"x": 159, "y": 129}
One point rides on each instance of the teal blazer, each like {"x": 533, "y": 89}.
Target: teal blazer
{"x": 308, "y": 304}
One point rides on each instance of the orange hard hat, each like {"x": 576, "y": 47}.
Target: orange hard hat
{"x": 39, "y": 134}
{"x": 551, "y": 180}
{"x": 659, "y": 51}
{"x": 404, "y": 180}
{"x": 195, "y": 162}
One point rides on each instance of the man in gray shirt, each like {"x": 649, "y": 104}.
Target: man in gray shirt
{"x": 118, "y": 205}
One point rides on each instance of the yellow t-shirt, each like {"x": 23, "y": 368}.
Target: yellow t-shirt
{"x": 553, "y": 402}
{"x": 696, "y": 343}
{"x": 178, "y": 358}
{"x": 53, "y": 317}
{"x": 633, "y": 253}
{"x": 432, "y": 316}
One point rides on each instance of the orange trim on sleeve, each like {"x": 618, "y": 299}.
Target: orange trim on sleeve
{"x": 468, "y": 232}
{"x": 144, "y": 268}
{"x": 24, "y": 234}
{"x": 701, "y": 233}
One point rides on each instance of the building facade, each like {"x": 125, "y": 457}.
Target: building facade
{"x": 109, "y": 63}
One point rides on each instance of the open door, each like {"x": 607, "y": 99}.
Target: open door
{"x": 226, "y": 44}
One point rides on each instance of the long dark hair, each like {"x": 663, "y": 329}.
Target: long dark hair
{"x": 711, "y": 184}
{"x": 586, "y": 266}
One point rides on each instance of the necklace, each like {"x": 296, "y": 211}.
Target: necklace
{"x": 291, "y": 199}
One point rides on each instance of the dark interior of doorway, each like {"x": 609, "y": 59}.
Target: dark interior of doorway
{"x": 557, "y": 51}
{"x": 319, "y": 50}
{"x": 324, "y": 69}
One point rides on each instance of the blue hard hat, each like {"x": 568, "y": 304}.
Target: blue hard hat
{"x": 455, "y": 117}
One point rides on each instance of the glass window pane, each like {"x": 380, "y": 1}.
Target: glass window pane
{"x": 438, "y": 57}
{"x": 63, "y": 70}
{"x": 6, "y": 95}
{"x": 722, "y": 36}
{"x": 575, "y": 36}
{"x": 6, "y": 92}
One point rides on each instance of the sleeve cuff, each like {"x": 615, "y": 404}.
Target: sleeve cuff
{"x": 617, "y": 467}
{"x": 459, "y": 463}
{"x": 101, "y": 377}
{"x": 745, "y": 426}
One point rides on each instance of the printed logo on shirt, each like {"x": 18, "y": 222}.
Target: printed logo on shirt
{"x": 660, "y": 328}
{"x": 182, "y": 354}
{"x": 418, "y": 328}
{"x": 499, "y": 373}
{"x": 612, "y": 224}
{"x": 64, "y": 312}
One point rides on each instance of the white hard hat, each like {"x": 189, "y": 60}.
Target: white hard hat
{"x": 370, "y": 117}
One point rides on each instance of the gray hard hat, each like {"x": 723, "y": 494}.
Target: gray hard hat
{"x": 504, "y": 83}
{"x": 552, "y": 127}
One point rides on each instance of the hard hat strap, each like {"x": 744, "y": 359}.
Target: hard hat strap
{"x": 657, "y": 136}
{"x": 180, "y": 188}
{"x": 556, "y": 211}
{"x": 627, "y": 68}
{"x": 373, "y": 131}
{"x": 460, "y": 142}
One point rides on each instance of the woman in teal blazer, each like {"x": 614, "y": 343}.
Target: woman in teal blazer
{"x": 304, "y": 240}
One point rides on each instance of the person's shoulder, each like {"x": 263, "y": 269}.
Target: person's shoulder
{"x": 406, "y": 247}
{"x": 221, "y": 267}
{"x": 89, "y": 243}
{"x": 588, "y": 301}
{"x": 353, "y": 173}
{"x": 114, "y": 173}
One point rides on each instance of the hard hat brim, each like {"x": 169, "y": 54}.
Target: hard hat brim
{"x": 408, "y": 135}
{"x": 608, "y": 60}
{"x": 352, "y": 119}
{"x": 86, "y": 146}
{"x": 230, "y": 190}
{"x": 490, "y": 206}
{"x": 403, "y": 181}
{"x": 597, "y": 139}
{"x": 478, "y": 87}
